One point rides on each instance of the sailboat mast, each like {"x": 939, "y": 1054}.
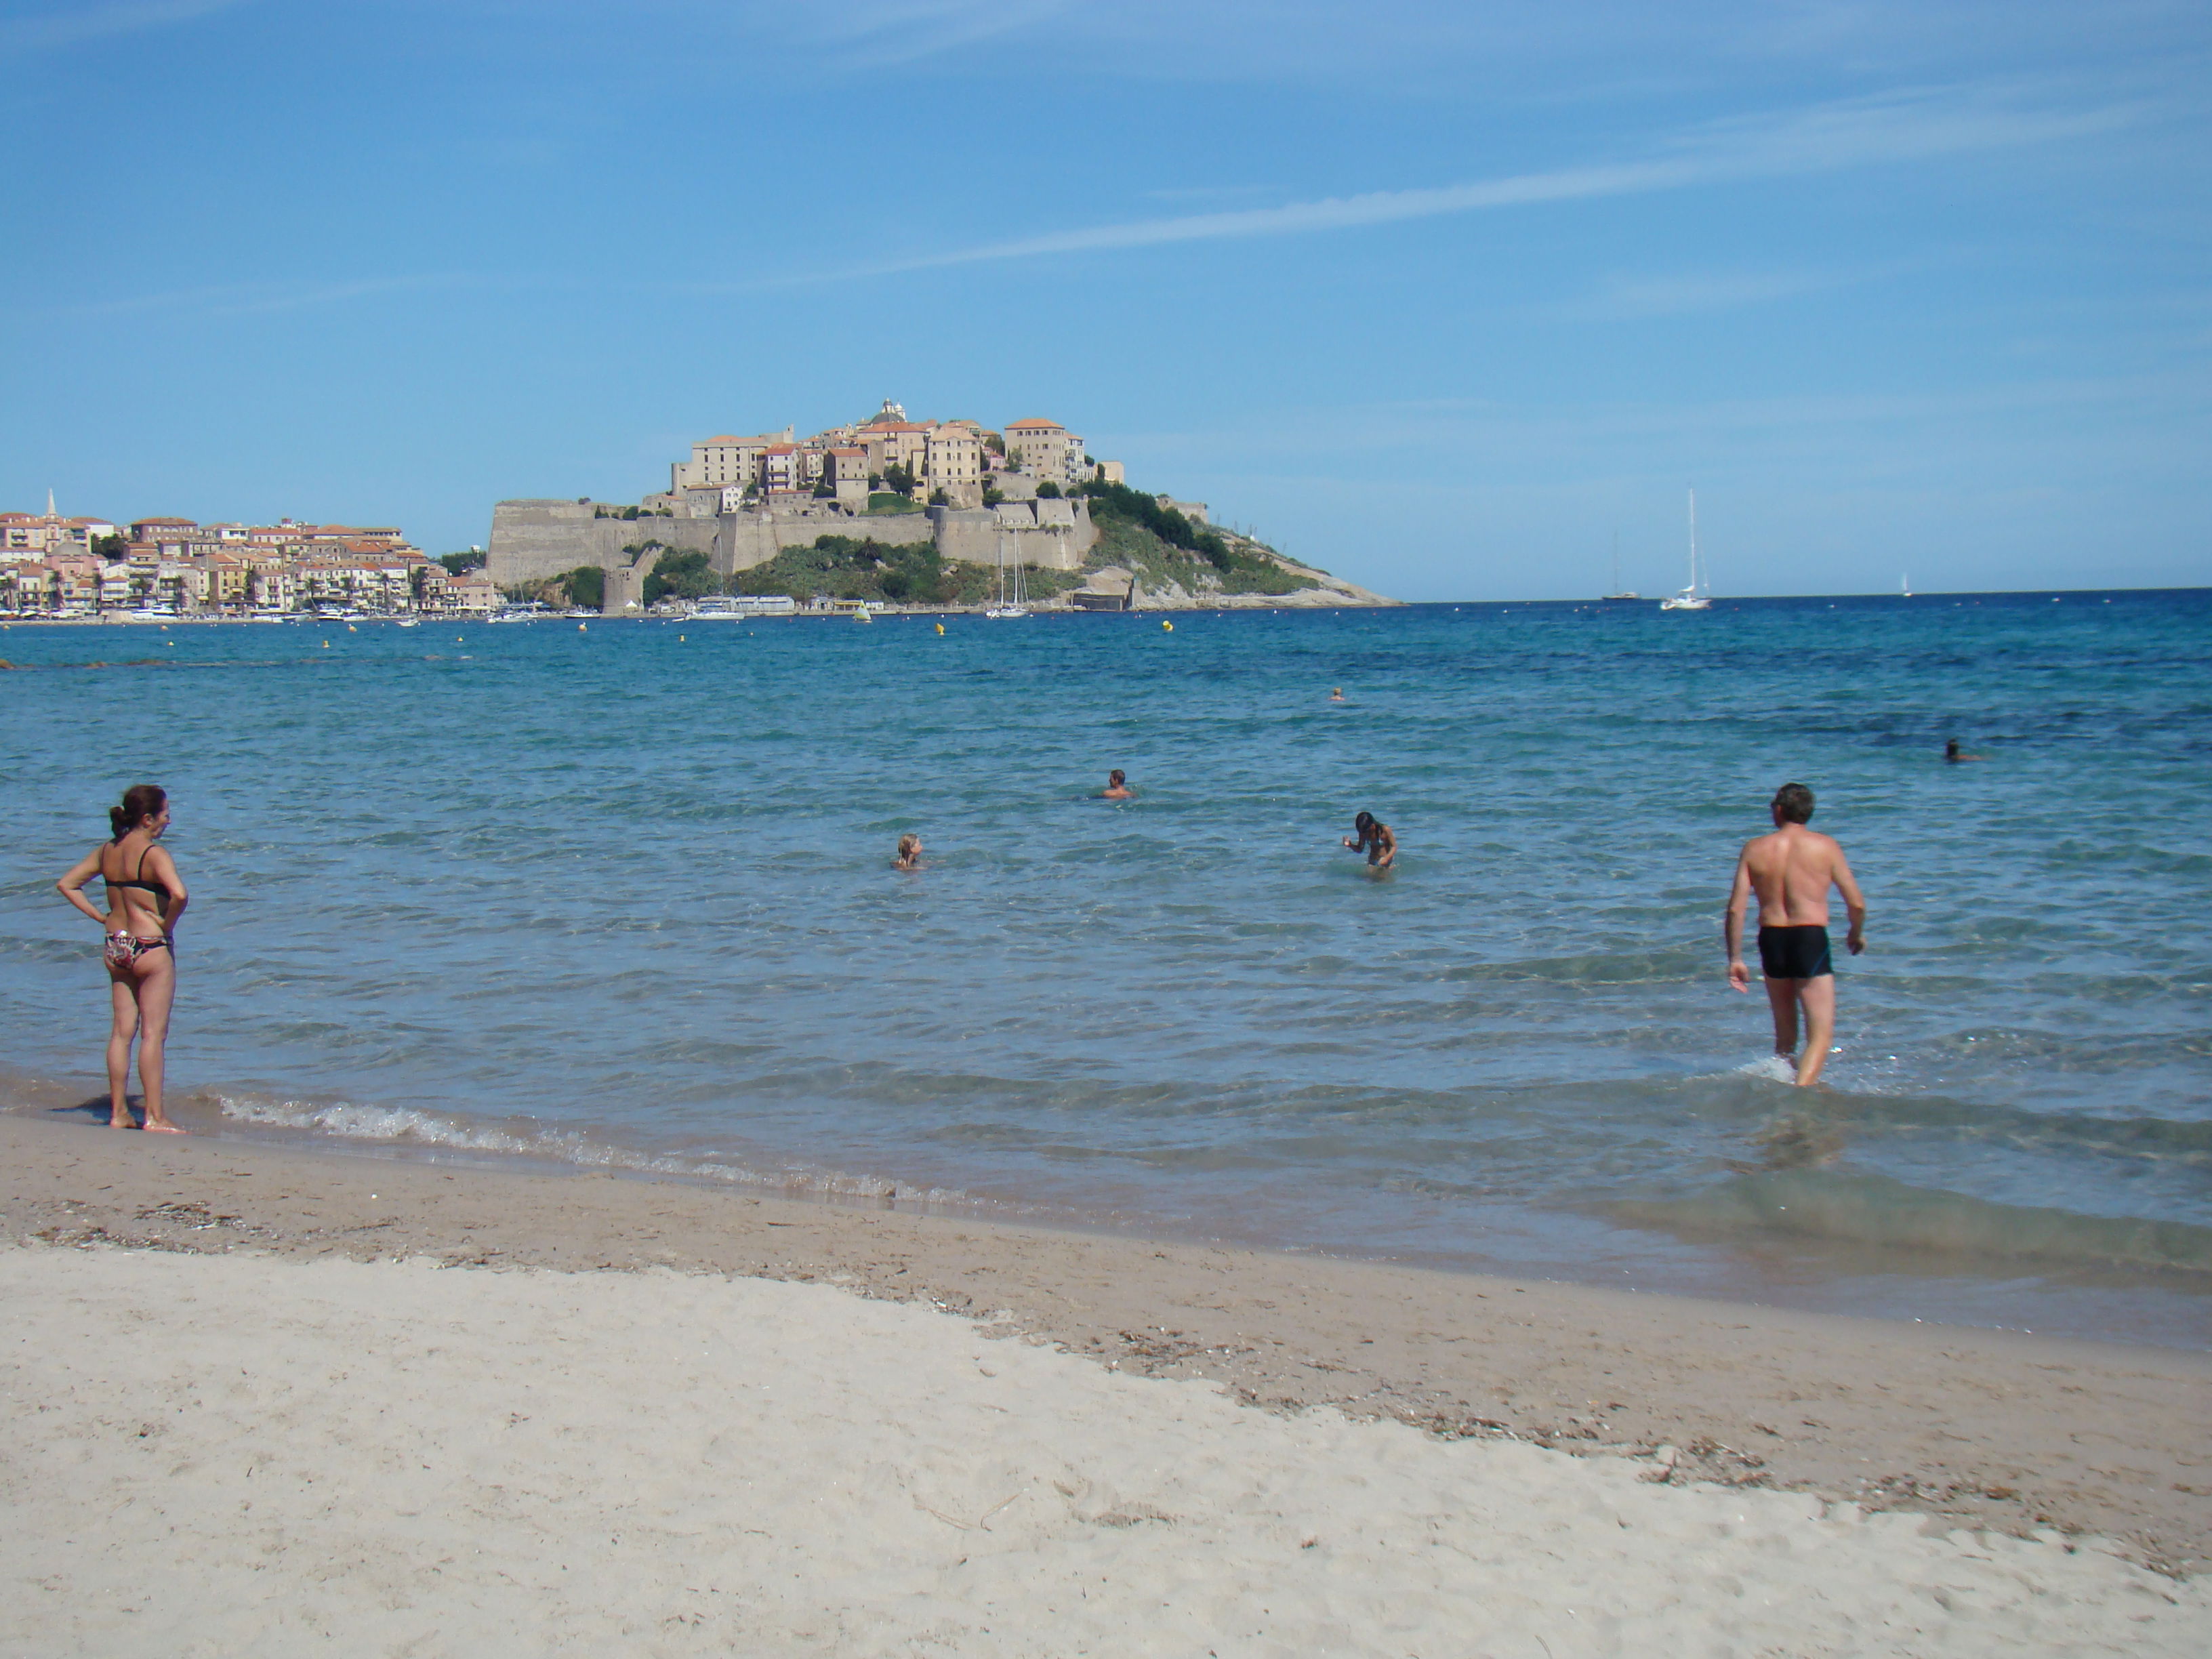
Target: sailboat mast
{"x": 1693, "y": 540}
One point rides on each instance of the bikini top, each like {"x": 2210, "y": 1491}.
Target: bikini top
{"x": 139, "y": 881}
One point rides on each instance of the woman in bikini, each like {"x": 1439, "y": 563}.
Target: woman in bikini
{"x": 1375, "y": 839}
{"x": 145, "y": 897}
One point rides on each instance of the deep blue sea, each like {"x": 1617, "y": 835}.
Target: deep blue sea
{"x": 620, "y": 895}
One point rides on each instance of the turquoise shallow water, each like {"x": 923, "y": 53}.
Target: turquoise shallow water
{"x": 621, "y": 895}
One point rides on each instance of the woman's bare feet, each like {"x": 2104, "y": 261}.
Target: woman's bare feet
{"x": 163, "y": 1126}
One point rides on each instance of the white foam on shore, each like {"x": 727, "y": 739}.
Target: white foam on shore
{"x": 404, "y": 1126}
{"x": 1773, "y": 1068}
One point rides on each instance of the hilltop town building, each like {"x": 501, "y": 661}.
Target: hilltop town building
{"x": 954, "y": 458}
{"x": 1048, "y": 449}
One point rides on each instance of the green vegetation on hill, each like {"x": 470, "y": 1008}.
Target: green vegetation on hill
{"x": 904, "y": 574}
{"x": 1162, "y": 545}
{"x": 685, "y": 575}
{"x": 585, "y": 585}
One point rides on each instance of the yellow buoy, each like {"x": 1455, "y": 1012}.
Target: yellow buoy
{"x": 1167, "y": 627}
{"x": 350, "y": 629}
{"x": 679, "y": 639}
{"x": 326, "y": 645}
{"x": 940, "y": 628}
{"x": 580, "y": 627}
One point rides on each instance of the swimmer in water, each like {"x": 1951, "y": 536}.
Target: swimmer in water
{"x": 1336, "y": 694}
{"x": 1791, "y": 871}
{"x": 1117, "y": 787}
{"x": 1953, "y": 754}
{"x": 1373, "y": 838}
{"x": 909, "y": 852}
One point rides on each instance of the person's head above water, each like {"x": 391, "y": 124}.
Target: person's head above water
{"x": 1951, "y": 749}
{"x": 909, "y": 844}
{"x": 1364, "y": 823}
{"x": 1793, "y": 804}
{"x": 141, "y": 801}
{"x": 1116, "y": 778}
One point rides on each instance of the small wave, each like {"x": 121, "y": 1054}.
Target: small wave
{"x": 1773, "y": 1068}
{"x": 1879, "y": 1211}
{"x": 404, "y": 1126}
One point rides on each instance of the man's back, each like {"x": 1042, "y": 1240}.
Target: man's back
{"x": 1791, "y": 872}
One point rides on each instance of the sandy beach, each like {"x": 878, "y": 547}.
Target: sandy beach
{"x": 252, "y": 1402}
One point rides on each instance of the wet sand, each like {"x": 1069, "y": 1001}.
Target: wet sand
{"x": 646, "y": 1301}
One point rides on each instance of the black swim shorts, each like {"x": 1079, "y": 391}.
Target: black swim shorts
{"x": 1794, "y": 952}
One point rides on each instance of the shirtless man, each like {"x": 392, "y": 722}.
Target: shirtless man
{"x": 1374, "y": 839}
{"x": 1117, "y": 787}
{"x": 1791, "y": 872}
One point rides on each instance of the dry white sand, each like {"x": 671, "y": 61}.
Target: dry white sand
{"x": 248, "y": 1455}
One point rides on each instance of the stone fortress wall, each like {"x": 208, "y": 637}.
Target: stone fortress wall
{"x": 532, "y": 540}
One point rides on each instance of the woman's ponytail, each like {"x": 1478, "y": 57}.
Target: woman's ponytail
{"x": 141, "y": 801}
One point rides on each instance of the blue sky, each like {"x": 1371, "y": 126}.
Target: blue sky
{"x": 1443, "y": 297}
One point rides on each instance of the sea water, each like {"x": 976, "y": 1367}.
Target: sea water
{"x": 621, "y": 895}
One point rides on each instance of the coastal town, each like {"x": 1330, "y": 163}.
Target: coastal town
{"x": 78, "y": 567}
{"x": 886, "y": 513}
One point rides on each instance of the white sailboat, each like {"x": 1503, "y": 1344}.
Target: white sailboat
{"x": 1904, "y": 586}
{"x": 1011, "y": 605}
{"x": 1693, "y": 597}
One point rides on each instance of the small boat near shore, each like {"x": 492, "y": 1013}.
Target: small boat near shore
{"x": 1011, "y": 605}
{"x": 1619, "y": 595}
{"x": 743, "y": 607}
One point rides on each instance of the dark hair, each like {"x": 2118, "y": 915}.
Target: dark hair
{"x": 1364, "y": 823}
{"x": 141, "y": 801}
{"x": 1794, "y": 801}
{"x": 1117, "y": 775}
{"x": 1951, "y": 746}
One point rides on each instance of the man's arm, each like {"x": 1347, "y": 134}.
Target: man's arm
{"x": 1854, "y": 903}
{"x": 1732, "y": 922}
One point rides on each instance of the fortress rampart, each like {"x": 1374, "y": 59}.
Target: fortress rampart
{"x": 534, "y": 539}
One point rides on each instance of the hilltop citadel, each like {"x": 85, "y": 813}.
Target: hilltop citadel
{"x": 901, "y": 510}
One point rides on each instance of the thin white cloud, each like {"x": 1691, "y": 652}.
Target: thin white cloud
{"x": 46, "y": 31}
{"x": 1629, "y": 298}
{"x": 889, "y": 33}
{"x": 1904, "y": 127}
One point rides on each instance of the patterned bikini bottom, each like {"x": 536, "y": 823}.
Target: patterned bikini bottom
{"x": 123, "y": 949}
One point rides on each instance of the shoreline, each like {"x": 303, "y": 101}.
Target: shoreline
{"x": 1982, "y": 1428}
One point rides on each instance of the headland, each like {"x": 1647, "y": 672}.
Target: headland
{"x": 895, "y": 511}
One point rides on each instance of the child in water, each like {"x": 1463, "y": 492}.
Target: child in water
{"x": 909, "y": 852}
